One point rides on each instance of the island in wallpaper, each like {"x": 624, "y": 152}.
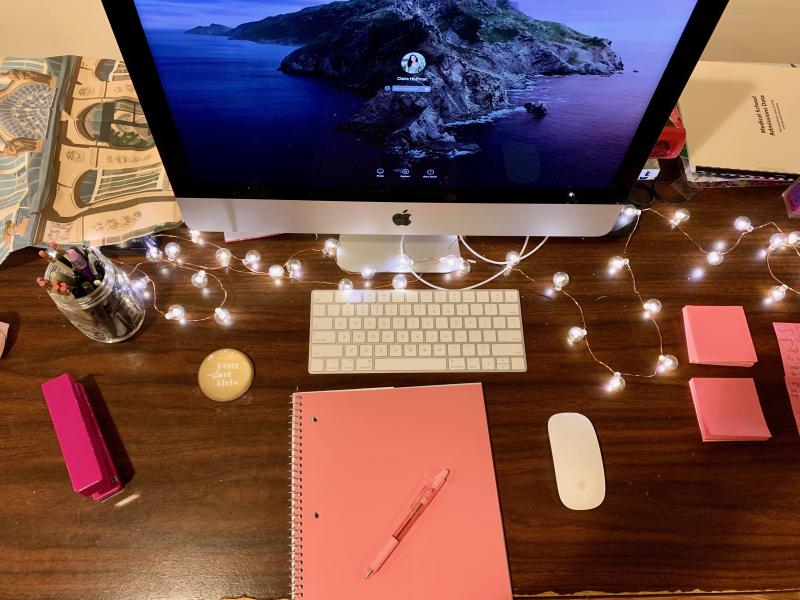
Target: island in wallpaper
{"x": 487, "y": 92}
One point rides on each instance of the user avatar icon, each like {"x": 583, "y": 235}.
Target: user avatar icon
{"x": 413, "y": 63}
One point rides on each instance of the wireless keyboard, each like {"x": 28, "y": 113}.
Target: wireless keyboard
{"x": 415, "y": 331}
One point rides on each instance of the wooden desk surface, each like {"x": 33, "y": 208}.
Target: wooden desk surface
{"x": 205, "y": 512}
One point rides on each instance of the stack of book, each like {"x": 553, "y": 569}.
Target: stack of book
{"x": 742, "y": 124}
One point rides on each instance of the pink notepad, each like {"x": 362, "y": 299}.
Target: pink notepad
{"x": 728, "y": 410}
{"x": 718, "y": 335}
{"x": 360, "y": 458}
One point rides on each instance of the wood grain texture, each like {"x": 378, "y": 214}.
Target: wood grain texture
{"x": 204, "y": 514}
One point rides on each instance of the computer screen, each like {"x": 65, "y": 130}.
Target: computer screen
{"x": 443, "y": 94}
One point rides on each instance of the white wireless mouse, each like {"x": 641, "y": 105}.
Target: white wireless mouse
{"x": 577, "y": 460}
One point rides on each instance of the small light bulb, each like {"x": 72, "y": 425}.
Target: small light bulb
{"x": 720, "y": 246}
{"x": 276, "y": 271}
{"x": 141, "y": 283}
{"x": 195, "y": 235}
{"x": 345, "y": 285}
{"x": 575, "y": 335}
{"x": 399, "y": 282}
{"x": 560, "y": 280}
{"x": 776, "y": 241}
{"x": 651, "y": 307}
{"x": 631, "y": 211}
{"x": 176, "y": 313}
{"x": 743, "y": 224}
{"x": 616, "y": 264}
{"x": 681, "y": 216}
{"x": 512, "y": 258}
{"x": 330, "y": 247}
{"x": 368, "y": 272}
{"x": 697, "y": 273}
{"x": 778, "y": 292}
{"x": 200, "y": 279}
{"x": 154, "y": 253}
{"x": 793, "y": 239}
{"x": 223, "y": 256}
{"x": 172, "y": 250}
{"x": 616, "y": 383}
{"x": 252, "y": 258}
{"x": 666, "y": 363}
{"x": 450, "y": 260}
{"x": 463, "y": 266}
{"x": 222, "y": 316}
{"x": 294, "y": 267}
{"x": 715, "y": 258}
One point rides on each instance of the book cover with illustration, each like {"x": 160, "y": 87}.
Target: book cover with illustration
{"x": 743, "y": 117}
{"x": 77, "y": 159}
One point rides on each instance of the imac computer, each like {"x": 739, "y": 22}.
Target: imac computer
{"x": 412, "y": 117}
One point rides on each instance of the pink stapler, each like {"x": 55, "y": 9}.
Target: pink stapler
{"x": 85, "y": 453}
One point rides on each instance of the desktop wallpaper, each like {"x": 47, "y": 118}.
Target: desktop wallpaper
{"x": 417, "y": 93}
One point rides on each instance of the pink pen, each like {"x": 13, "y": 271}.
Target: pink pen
{"x": 420, "y": 504}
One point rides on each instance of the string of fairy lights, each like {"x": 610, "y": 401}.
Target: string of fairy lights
{"x": 577, "y": 336}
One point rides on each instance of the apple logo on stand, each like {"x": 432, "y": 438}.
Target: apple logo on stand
{"x": 402, "y": 219}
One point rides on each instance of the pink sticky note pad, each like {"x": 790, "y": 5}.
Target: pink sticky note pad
{"x": 788, "y": 335}
{"x": 718, "y": 335}
{"x": 793, "y": 387}
{"x": 728, "y": 410}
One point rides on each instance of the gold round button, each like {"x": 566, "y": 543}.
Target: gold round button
{"x": 225, "y": 375}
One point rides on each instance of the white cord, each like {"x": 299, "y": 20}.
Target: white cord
{"x": 477, "y": 285}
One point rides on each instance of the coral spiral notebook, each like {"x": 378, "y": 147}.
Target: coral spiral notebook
{"x": 359, "y": 460}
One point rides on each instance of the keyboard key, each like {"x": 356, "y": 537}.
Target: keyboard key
{"x": 509, "y": 309}
{"x": 462, "y": 309}
{"x": 362, "y": 310}
{"x": 322, "y": 297}
{"x": 412, "y": 323}
{"x": 412, "y": 296}
{"x": 365, "y": 350}
{"x": 446, "y": 336}
{"x": 384, "y": 296}
{"x": 370, "y": 323}
{"x": 496, "y": 296}
{"x": 323, "y": 337}
{"x": 332, "y": 364}
{"x": 503, "y": 364}
{"x": 391, "y": 310}
{"x": 326, "y": 350}
{"x": 403, "y": 337}
{"x": 364, "y": 364}
{"x": 470, "y": 323}
{"x": 483, "y": 349}
{"x": 432, "y": 337}
{"x": 340, "y": 323}
{"x": 426, "y": 296}
{"x": 474, "y": 335}
{"x": 384, "y": 323}
{"x": 499, "y": 322}
{"x": 417, "y": 336}
{"x": 440, "y": 296}
{"x": 426, "y": 322}
{"x": 487, "y": 364}
{"x": 490, "y": 335}
{"x": 439, "y": 350}
{"x": 513, "y": 323}
{"x": 485, "y": 322}
{"x": 441, "y": 323}
{"x": 316, "y": 365}
{"x": 473, "y": 364}
{"x": 420, "y": 310}
{"x": 348, "y": 310}
{"x": 509, "y": 335}
{"x": 456, "y": 364}
{"x": 448, "y": 310}
{"x": 508, "y": 349}
{"x": 381, "y": 350}
{"x": 373, "y": 337}
{"x": 409, "y": 350}
{"x": 434, "y": 310}
{"x": 334, "y": 310}
{"x": 511, "y": 296}
{"x": 454, "y": 296}
{"x": 318, "y": 310}
{"x": 359, "y": 337}
{"x": 468, "y": 349}
{"x": 410, "y": 365}
{"x": 322, "y": 323}
{"x": 482, "y": 296}
{"x": 490, "y": 310}
{"x": 341, "y": 297}
{"x": 351, "y": 350}
{"x": 425, "y": 350}
{"x": 376, "y": 310}
{"x": 405, "y": 310}
{"x": 348, "y": 364}
{"x": 460, "y": 336}
{"x": 454, "y": 350}
{"x": 343, "y": 337}
{"x": 476, "y": 310}
{"x": 395, "y": 350}
{"x": 398, "y": 297}
{"x": 387, "y": 337}
{"x": 370, "y": 297}
{"x": 354, "y": 323}
{"x": 468, "y": 296}
{"x": 518, "y": 364}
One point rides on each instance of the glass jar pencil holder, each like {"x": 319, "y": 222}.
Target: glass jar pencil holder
{"x": 111, "y": 312}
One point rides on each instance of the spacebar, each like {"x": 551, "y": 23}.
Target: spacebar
{"x": 410, "y": 364}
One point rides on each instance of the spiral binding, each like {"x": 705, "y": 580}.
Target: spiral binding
{"x": 296, "y": 497}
